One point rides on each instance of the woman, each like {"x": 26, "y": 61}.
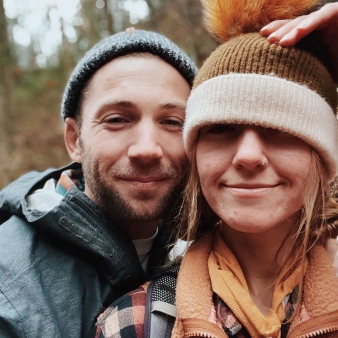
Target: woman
{"x": 262, "y": 139}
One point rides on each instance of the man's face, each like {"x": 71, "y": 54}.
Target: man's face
{"x": 130, "y": 142}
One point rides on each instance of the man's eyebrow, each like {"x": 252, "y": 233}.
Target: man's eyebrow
{"x": 176, "y": 105}
{"x": 116, "y": 103}
{"x": 121, "y": 103}
{"x": 131, "y": 105}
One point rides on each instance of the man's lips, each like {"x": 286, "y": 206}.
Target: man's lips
{"x": 144, "y": 182}
{"x": 143, "y": 179}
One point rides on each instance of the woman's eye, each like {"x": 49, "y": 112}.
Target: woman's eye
{"x": 221, "y": 128}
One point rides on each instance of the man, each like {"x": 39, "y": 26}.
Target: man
{"x": 71, "y": 243}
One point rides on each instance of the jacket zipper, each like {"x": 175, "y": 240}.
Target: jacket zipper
{"x": 321, "y": 325}
{"x": 202, "y": 328}
{"x": 200, "y": 334}
{"x": 308, "y": 335}
{"x": 319, "y": 332}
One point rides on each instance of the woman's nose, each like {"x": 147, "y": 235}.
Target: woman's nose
{"x": 250, "y": 150}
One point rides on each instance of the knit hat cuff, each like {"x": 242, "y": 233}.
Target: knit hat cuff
{"x": 270, "y": 102}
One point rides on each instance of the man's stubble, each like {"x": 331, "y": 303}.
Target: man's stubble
{"x": 115, "y": 203}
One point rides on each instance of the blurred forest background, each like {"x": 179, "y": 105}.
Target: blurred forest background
{"x": 40, "y": 44}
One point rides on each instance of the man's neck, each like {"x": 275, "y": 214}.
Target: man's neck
{"x": 139, "y": 229}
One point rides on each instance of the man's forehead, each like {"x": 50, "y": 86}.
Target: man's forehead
{"x": 129, "y": 62}
{"x": 135, "y": 70}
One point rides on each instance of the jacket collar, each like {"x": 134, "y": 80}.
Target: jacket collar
{"x": 79, "y": 225}
{"x": 320, "y": 296}
{"x": 194, "y": 303}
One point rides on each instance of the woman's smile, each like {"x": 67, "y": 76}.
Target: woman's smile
{"x": 253, "y": 178}
{"x": 250, "y": 190}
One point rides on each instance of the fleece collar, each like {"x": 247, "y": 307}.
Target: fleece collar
{"x": 194, "y": 293}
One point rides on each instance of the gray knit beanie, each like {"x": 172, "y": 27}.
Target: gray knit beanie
{"x": 120, "y": 44}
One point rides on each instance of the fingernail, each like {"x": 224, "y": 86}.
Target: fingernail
{"x": 263, "y": 30}
{"x": 272, "y": 38}
{"x": 285, "y": 38}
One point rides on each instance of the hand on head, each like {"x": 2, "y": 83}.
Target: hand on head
{"x": 289, "y": 32}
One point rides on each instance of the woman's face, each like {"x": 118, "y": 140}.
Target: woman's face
{"x": 246, "y": 195}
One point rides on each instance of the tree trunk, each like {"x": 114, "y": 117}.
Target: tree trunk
{"x": 109, "y": 18}
{"x": 6, "y": 66}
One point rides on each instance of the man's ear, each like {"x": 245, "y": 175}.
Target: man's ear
{"x": 72, "y": 139}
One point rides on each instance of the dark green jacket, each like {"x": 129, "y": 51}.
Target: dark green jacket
{"x": 60, "y": 269}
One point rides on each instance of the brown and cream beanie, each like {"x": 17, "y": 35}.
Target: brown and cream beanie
{"x": 247, "y": 80}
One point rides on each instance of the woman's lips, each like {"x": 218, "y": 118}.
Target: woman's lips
{"x": 250, "y": 190}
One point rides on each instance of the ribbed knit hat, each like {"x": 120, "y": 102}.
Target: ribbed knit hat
{"x": 135, "y": 41}
{"x": 247, "y": 80}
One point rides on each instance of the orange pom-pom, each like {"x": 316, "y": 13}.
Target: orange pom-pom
{"x": 227, "y": 18}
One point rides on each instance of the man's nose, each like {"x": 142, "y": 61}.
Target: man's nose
{"x": 250, "y": 151}
{"x": 145, "y": 144}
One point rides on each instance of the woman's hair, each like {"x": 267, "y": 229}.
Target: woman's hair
{"x": 318, "y": 218}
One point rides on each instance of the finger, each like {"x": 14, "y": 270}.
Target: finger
{"x": 320, "y": 19}
{"x": 289, "y": 32}
{"x": 273, "y": 27}
{"x": 285, "y": 29}
{"x": 284, "y": 25}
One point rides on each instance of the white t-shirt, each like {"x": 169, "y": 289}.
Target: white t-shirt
{"x": 143, "y": 247}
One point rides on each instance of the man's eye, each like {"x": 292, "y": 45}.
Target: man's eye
{"x": 115, "y": 120}
{"x": 174, "y": 123}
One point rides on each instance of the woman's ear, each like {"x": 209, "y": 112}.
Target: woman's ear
{"x": 72, "y": 139}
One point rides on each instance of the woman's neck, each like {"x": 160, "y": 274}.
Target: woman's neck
{"x": 260, "y": 256}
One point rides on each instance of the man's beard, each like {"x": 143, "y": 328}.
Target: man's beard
{"x": 113, "y": 202}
